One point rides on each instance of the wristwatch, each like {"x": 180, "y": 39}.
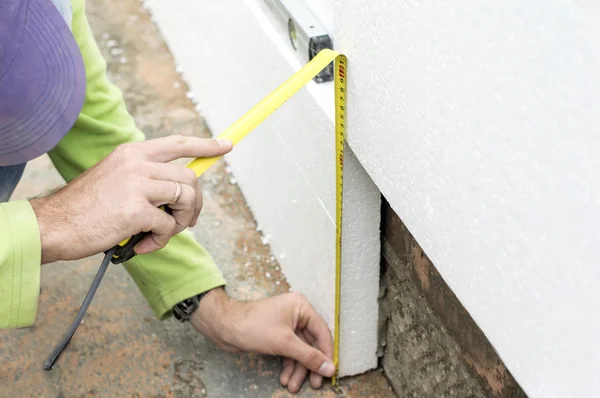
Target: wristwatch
{"x": 184, "y": 310}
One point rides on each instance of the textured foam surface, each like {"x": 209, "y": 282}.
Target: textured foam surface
{"x": 479, "y": 121}
{"x": 232, "y": 57}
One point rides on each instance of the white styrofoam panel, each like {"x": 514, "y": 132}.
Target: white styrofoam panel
{"x": 479, "y": 123}
{"x": 232, "y": 57}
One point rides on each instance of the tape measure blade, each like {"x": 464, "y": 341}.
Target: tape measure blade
{"x": 260, "y": 112}
{"x": 340, "y": 116}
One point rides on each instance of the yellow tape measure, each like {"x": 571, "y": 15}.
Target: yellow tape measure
{"x": 264, "y": 109}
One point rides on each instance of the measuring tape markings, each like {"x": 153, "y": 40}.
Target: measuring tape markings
{"x": 255, "y": 116}
{"x": 340, "y": 138}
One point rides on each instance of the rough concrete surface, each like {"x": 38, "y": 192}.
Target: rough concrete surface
{"x": 121, "y": 350}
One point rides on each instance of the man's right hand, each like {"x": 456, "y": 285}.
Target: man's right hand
{"x": 119, "y": 197}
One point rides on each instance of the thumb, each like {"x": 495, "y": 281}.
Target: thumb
{"x": 309, "y": 356}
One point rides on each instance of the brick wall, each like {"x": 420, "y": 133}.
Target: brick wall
{"x": 430, "y": 344}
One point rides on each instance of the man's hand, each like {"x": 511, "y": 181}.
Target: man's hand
{"x": 285, "y": 325}
{"x": 119, "y": 197}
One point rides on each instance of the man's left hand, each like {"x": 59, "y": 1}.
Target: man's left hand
{"x": 286, "y": 325}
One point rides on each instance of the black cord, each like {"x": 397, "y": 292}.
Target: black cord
{"x": 51, "y": 361}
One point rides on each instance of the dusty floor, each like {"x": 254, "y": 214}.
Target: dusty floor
{"x": 121, "y": 349}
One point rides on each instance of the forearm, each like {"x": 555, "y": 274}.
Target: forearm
{"x": 213, "y": 319}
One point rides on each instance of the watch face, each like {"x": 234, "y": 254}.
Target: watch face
{"x": 184, "y": 310}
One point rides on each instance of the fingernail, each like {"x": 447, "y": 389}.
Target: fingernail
{"x": 327, "y": 368}
{"x": 225, "y": 143}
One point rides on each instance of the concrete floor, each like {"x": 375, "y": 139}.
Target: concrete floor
{"x": 121, "y": 349}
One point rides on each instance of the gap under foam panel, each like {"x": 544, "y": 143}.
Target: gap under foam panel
{"x": 231, "y": 57}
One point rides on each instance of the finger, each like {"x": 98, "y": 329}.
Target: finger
{"x": 199, "y": 203}
{"x": 170, "y": 172}
{"x": 287, "y": 368}
{"x": 316, "y": 380}
{"x": 300, "y": 372}
{"x": 297, "y": 378}
{"x": 308, "y": 356}
{"x": 159, "y": 192}
{"x": 162, "y": 226}
{"x": 173, "y": 147}
{"x": 316, "y": 331}
{"x": 184, "y": 208}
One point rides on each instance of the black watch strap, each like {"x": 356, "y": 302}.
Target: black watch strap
{"x": 184, "y": 310}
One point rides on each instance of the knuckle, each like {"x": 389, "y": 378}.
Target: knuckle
{"x": 144, "y": 169}
{"x": 190, "y": 177}
{"x": 178, "y": 139}
{"x": 188, "y": 196}
{"x": 131, "y": 171}
{"x": 135, "y": 214}
{"x": 134, "y": 185}
{"x": 289, "y": 338}
{"x": 171, "y": 224}
{"x": 133, "y": 197}
{"x": 126, "y": 150}
{"x": 313, "y": 359}
{"x": 299, "y": 297}
{"x": 161, "y": 242}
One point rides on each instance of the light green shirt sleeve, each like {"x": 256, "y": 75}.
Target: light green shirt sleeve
{"x": 183, "y": 268}
{"x": 20, "y": 258}
{"x": 180, "y": 270}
